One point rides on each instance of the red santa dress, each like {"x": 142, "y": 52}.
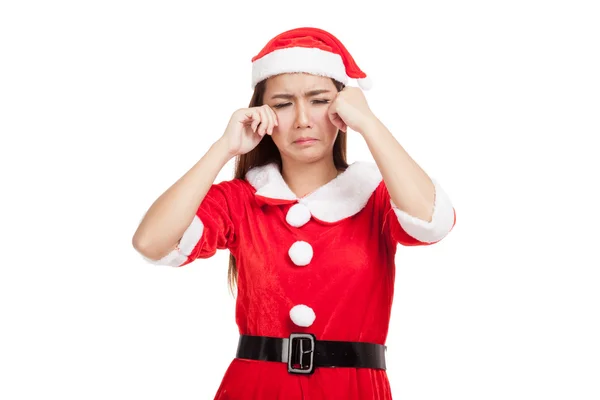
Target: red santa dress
{"x": 321, "y": 264}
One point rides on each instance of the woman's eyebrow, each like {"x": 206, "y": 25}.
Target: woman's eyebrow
{"x": 307, "y": 94}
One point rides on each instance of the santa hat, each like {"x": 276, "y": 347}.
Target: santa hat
{"x": 309, "y": 50}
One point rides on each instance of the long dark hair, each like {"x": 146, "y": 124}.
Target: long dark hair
{"x": 267, "y": 152}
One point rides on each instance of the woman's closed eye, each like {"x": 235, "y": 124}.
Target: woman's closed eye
{"x": 281, "y": 105}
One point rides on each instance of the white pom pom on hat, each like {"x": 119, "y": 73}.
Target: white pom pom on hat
{"x": 365, "y": 83}
{"x": 310, "y": 50}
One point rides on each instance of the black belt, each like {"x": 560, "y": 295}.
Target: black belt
{"x": 302, "y": 352}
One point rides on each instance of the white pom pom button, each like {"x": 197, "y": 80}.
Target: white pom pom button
{"x": 301, "y": 253}
{"x": 298, "y": 215}
{"x": 302, "y": 315}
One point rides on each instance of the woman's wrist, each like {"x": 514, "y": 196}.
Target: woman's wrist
{"x": 222, "y": 149}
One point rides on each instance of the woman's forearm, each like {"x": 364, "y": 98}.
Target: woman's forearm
{"x": 410, "y": 188}
{"x": 170, "y": 215}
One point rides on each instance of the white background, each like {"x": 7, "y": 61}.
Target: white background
{"x": 103, "y": 105}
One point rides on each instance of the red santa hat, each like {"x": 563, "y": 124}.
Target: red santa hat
{"x": 309, "y": 50}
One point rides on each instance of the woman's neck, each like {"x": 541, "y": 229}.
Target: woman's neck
{"x": 305, "y": 178}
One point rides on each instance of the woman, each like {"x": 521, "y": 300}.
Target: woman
{"x": 312, "y": 239}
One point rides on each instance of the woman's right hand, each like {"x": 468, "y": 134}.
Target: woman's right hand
{"x": 247, "y": 127}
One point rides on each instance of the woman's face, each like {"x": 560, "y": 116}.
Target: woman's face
{"x": 301, "y": 102}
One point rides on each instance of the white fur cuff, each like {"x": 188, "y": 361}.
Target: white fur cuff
{"x": 188, "y": 241}
{"x": 441, "y": 222}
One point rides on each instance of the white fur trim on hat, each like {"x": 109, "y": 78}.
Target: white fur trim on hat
{"x": 184, "y": 248}
{"x": 299, "y": 59}
{"x": 302, "y": 315}
{"x": 301, "y": 253}
{"x": 441, "y": 222}
{"x": 298, "y": 215}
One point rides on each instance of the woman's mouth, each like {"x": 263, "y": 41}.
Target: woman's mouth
{"x": 305, "y": 141}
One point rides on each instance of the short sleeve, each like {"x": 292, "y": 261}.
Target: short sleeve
{"x": 212, "y": 228}
{"x": 403, "y": 228}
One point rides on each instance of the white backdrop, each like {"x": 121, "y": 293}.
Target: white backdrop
{"x": 103, "y": 105}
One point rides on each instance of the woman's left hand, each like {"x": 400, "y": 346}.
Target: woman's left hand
{"x": 350, "y": 110}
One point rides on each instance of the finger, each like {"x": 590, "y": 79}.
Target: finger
{"x": 336, "y": 120}
{"x": 264, "y": 121}
{"x": 248, "y": 116}
{"x": 341, "y": 125}
{"x": 274, "y": 121}
{"x": 255, "y": 120}
{"x": 269, "y": 118}
{"x": 333, "y": 115}
{"x": 274, "y": 118}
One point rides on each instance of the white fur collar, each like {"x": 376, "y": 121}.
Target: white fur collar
{"x": 341, "y": 197}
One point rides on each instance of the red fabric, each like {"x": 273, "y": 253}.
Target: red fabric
{"x": 313, "y": 38}
{"x": 349, "y": 284}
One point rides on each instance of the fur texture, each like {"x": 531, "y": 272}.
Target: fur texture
{"x": 184, "y": 248}
{"x": 301, "y": 253}
{"x": 302, "y": 315}
{"x": 298, "y": 215}
{"x": 441, "y": 222}
{"x": 299, "y": 59}
{"x": 340, "y": 198}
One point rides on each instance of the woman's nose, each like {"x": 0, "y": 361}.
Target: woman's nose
{"x": 302, "y": 116}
